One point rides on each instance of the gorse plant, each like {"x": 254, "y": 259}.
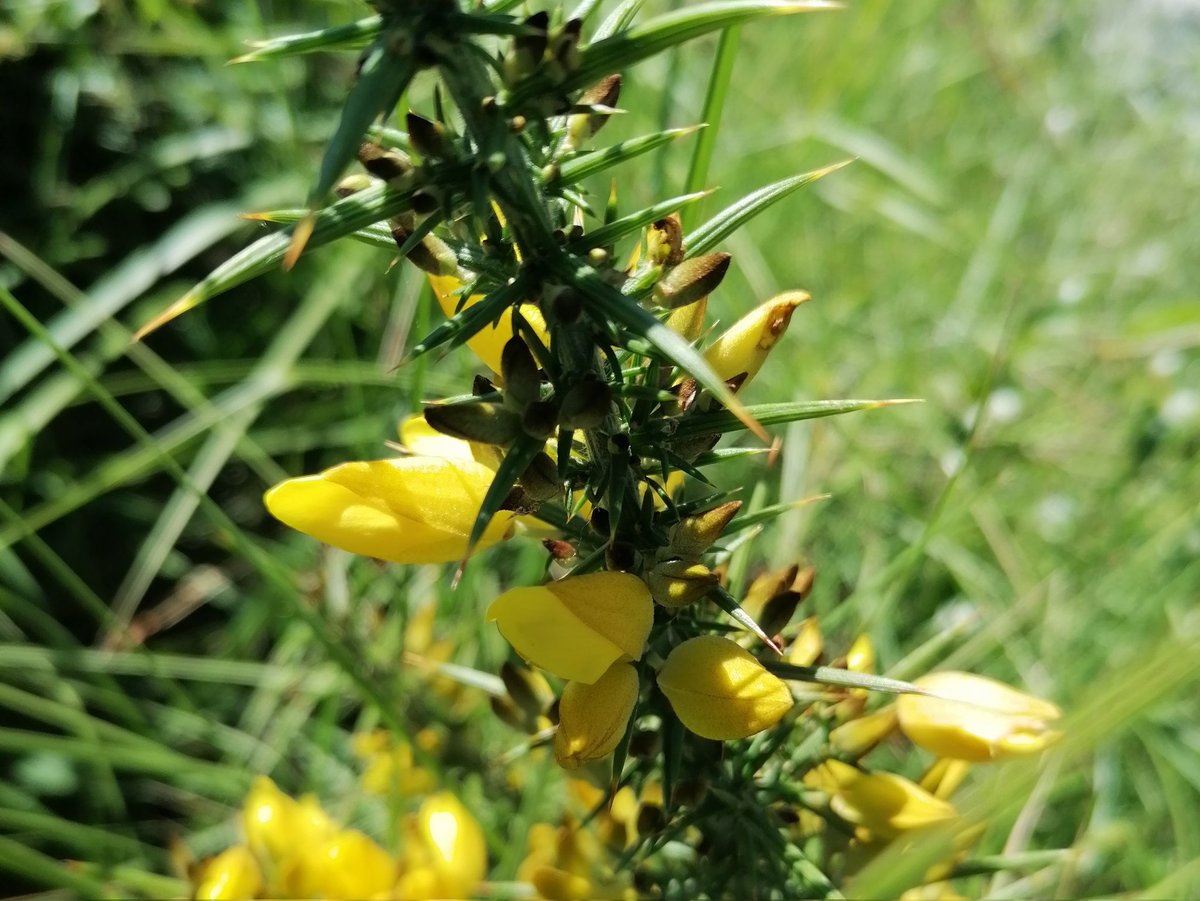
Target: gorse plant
{"x": 705, "y": 720}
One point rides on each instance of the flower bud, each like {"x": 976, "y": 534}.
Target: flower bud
{"x": 745, "y": 346}
{"x": 592, "y": 718}
{"x": 431, "y": 255}
{"x": 522, "y": 377}
{"x": 384, "y": 162}
{"x": 578, "y": 627}
{"x": 427, "y": 137}
{"x": 585, "y": 405}
{"x": 719, "y": 691}
{"x": 540, "y": 479}
{"x": 582, "y": 126}
{"x": 406, "y": 510}
{"x": 487, "y": 423}
{"x": 692, "y": 279}
{"x": 488, "y": 343}
{"x": 677, "y": 583}
{"x": 883, "y": 803}
{"x": 539, "y": 419}
{"x": 664, "y": 241}
{"x": 232, "y": 875}
{"x": 969, "y": 717}
{"x": 693, "y": 535}
{"x": 352, "y": 184}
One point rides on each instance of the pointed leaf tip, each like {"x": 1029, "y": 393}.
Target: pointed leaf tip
{"x": 304, "y": 230}
{"x": 174, "y": 311}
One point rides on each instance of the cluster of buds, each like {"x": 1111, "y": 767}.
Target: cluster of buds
{"x": 292, "y": 848}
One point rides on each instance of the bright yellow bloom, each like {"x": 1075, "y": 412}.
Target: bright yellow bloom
{"x": 452, "y": 843}
{"x": 406, "y": 510}
{"x": 745, "y": 346}
{"x": 348, "y": 865}
{"x": 884, "y": 804}
{"x": 277, "y": 826}
{"x": 592, "y": 718}
{"x": 719, "y": 691}
{"x": 975, "y": 718}
{"x": 232, "y": 875}
{"x": 578, "y": 627}
{"x": 489, "y": 342}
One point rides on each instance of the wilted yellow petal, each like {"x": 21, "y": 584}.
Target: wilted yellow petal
{"x": 719, "y": 691}
{"x": 975, "y": 718}
{"x": 456, "y": 848}
{"x": 578, "y": 627}
{"x": 745, "y": 346}
{"x": 592, "y": 718}
{"x": 233, "y": 875}
{"x": 489, "y": 342}
{"x": 406, "y": 510}
{"x": 883, "y": 803}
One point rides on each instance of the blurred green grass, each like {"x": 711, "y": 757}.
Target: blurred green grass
{"x": 1012, "y": 245}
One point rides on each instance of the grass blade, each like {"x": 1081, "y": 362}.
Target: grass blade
{"x": 355, "y": 34}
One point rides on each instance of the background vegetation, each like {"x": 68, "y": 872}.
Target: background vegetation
{"x": 1012, "y": 245}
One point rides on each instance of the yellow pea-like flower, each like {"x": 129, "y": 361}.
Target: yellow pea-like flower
{"x": 719, "y": 691}
{"x": 348, "y": 865}
{"x": 745, "y": 346}
{"x": 277, "y": 826}
{"x": 592, "y": 718}
{"x": 884, "y": 804}
{"x": 455, "y": 849}
{"x": 232, "y": 875}
{"x": 488, "y": 343}
{"x": 577, "y": 627}
{"x": 405, "y": 510}
{"x": 858, "y": 736}
{"x": 969, "y": 717}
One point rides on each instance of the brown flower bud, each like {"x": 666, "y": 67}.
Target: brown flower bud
{"x": 385, "y": 162}
{"x": 585, "y": 405}
{"x": 432, "y": 254}
{"x": 539, "y": 419}
{"x": 691, "y": 280}
{"x": 522, "y": 378}
{"x": 485, "y": 423}
{"x": 693, "y": 535}
{"x": 427, "y": 137}
{"x": 540, "y": 479}
{"x": 352, "y": 184}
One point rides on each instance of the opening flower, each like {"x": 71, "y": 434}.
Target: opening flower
{"x": 969, "y": 717}
{"x": 405, "y": 510}
{"x": 719, "y": 691}
{"x": 578, "y": 627}
{"x": 745, "y": 346}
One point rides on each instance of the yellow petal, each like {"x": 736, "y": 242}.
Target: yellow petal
{"x": 406, "y": 510}
{"x": 275, "y": 824}
{"x": 975, "y": 718}
{"x": 424, "y": 440}
{"x": 883, "y": 803}
{"x": 578, "y": 627}
{"x": 232, "y": 875}
{"x": 719, "y": 691}
{"x": 456, "y": 848}
{"x": 592, "y": 718}
{"x": 489, "y": 342}
{"x": 745, "y": 346}
{"x": 860, "y": 735}
{"x": 348, "y": 865}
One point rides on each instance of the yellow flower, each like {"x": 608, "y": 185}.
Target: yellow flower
{"x": 406, "y": 510}
{"x": 592, "y": 718}
{"x": 278, "y": 826}
{"x": 452, "y": 846}
{"x": 944, "y": 776}
{"x": 719, "y": 691}
{"x": 578, "y": 627}
{"x": 230, "y": 876}
{"x": 489, "y": 342}
{"x": 858, "y": 736}
{"x": 745, "y": 346}
{"x": 348, "y": 865}
{"x": 975, "y": 718}
{"x": 884, "y": 804}
{"x": 689, "y": 320}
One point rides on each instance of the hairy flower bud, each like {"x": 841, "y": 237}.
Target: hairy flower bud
{"x": 406, "y": 510}
{"x": 692, "y": 279}
{"x": 592, "y": 718}
{"x": 427, "y": 137}
{"x": 744, "y": 348}
{"x": 486, "y": 423}
{"x": 578, "y": 627}
{"x": 431, "y": 254}
{"x": 522, "y": 377}
{"x": 719, "y": 691}
{"x": 975, "y": 718}
{"x": 585, "y": 405}
{"x": 384, "y": 162}
{"x": 676, "y": 583}
{"x": 693, "y": 535}
{"x": 540, "y": 479}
